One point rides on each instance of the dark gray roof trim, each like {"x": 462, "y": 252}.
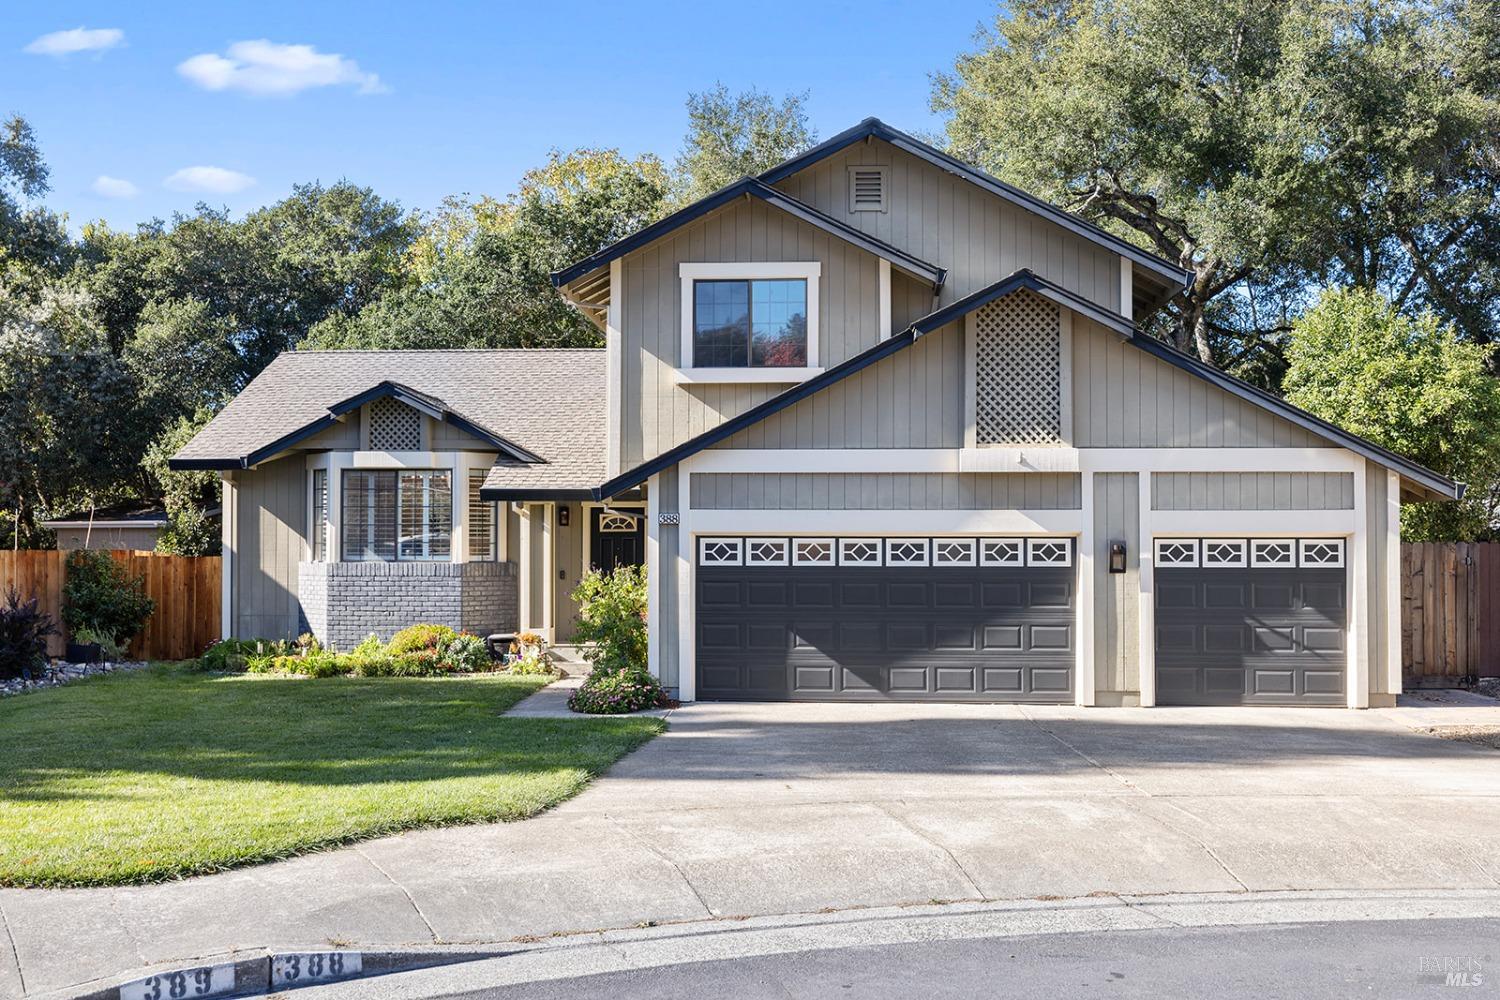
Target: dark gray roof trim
{"x": 1023, "y": 278}
{"x": 754, "y": 188}
{"x": 536, "y": 495}
{"x": 1174, "y": 274}
{"x": 1380, "y": 456}
{"x": 421, "y": 402}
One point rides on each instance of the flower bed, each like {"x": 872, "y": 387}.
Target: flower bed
{"x": 418, "y": 651}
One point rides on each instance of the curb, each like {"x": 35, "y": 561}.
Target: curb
{"x": 273, "y": 971}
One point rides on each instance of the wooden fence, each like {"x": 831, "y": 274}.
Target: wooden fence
{"x": 1450, "y": 611}
{"x": 185, "y": 589}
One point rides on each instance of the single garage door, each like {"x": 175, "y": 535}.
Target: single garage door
{"x": 1250, "y": 621}
{"x": 934, "y": 619}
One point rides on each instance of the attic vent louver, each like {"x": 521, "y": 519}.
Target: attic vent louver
{"x": 867, "y": 189}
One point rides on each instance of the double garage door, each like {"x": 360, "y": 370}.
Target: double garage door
{"x": 1250, "y": 621}
{"x": 906, "y": 618}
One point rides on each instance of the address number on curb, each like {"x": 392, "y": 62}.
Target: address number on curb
{"x": 203, "y": 981}
{"x": 301, "y": 968}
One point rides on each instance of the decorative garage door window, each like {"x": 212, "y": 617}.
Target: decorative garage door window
{"x": 1256, "y": 553}
{"x": 889, "y": 552}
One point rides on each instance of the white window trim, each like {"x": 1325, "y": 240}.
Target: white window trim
{"x": 1165, "y": 563}
{"x": 924, "y": 560}
{"x": 799, "y": 560}
{"x": 782, "y": 543}
{"x": 1257, "y": 561}
{"x": 1236, "y": 562}
{"x": 810, "y": 271}
{"x": 970, "y": 559}
{"x": 844, "y": 559}
{"x": 1303, "y": 543}
{"x": 985, "y": 559}
{"x": 1032, "y": 559}
{"x": 739, "y": 551}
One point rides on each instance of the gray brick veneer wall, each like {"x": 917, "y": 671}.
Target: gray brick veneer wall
{"x": 343, "y": 603}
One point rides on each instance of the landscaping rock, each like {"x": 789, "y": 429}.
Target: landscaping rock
{"x": 58, "y": 673}
{"x": 1489, "y": 687}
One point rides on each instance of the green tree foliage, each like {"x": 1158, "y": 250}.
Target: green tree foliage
{"x": 1411, "y": 385}
{"x": 187, "y": 496}
{"x": 1264, "y": 146}
{"x": 734, "y": 135}
{"x": 480, "y": 273}
{"x": 30, "y": 235}
{"x": 67, "y": 405}
{"x": 264, "y": 280}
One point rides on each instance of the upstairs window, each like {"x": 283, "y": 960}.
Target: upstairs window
{"x": 752, "y": 321}
{"x": 742, "y": 323}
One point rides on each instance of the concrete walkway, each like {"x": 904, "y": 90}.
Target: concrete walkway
{"x": 743, "y": 810}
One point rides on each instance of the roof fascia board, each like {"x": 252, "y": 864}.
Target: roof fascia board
{"x": 1404, "y": 466}
{"x": 909, "y": 144}
{"x": 752, "y": 187}
{"x": 1024, "y": 278}
{"x": 539, "y": 496}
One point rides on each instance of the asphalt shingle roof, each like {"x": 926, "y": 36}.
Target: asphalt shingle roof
{"x": 548, "y": 402}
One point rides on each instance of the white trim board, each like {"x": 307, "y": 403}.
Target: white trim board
{"x": 688, "y": 272}
{"x": 886, "y": 522}
{"x": 1038, "y": 458}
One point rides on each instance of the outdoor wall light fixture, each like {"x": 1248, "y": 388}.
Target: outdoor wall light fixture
{"x": 1117, "y": 557}
{"x": 562, "y": 516}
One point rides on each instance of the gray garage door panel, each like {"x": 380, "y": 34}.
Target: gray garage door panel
{"x": 977, "y": 633}
{"x": 1242, "y": 636}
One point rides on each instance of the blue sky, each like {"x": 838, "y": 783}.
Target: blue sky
{"x": 427, "y": 99}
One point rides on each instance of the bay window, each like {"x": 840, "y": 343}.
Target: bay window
{"x": 391, "y": 515}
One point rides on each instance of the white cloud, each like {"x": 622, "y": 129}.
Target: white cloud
{"x": 113, "y": 187}
{"x": 212, "y": 180}
{"x": 65, "y": 43}
{"x": 270, "y": 69}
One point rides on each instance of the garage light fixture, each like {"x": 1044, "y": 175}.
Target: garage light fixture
{"x": 1117, "y": 557}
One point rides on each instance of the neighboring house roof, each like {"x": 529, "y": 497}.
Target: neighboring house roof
{"x": 113, "y": 516}
{"x": 539, "y": 408}
{"x": 753, "y": 188}
{"x": 874, "y": 127}
{"x": 1438, "y": 486}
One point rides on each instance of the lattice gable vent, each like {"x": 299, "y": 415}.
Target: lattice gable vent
{"x": 1017, "y": 371}
{"x": 394, "y": 426}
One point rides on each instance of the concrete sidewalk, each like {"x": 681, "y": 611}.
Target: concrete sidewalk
{"x": 744, "y": 810}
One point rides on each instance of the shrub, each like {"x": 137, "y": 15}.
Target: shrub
{"x": 24, "y": 629}
{"x": 109, "y": 650}
{"x": 532, "y": 663}
{"x": 615, "y": 693}
{"x": 369, "y": 646}
{"x": 233, "y": 655}
{"x": 99, "y": 595}
{"x": 467, "y": 653}
{"x": 612, "y": 616}
{"x": 433, "y": 637}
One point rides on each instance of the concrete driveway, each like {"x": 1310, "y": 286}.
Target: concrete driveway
{"x": 767, "y": 809}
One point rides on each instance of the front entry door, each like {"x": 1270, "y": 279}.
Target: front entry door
{"x": 619, "y": 539}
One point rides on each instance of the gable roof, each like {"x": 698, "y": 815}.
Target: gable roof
{"x": 1435, "y": 485}
{"x": 1024, "y": 278}
{"x": 1173, "y": 274}
{"x": 538, "y": 408}
{"x": 752, "y": 187}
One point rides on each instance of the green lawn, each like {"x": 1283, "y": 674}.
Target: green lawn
{"x": 167, "y": 772}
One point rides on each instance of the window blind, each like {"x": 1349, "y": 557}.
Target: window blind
{"x": 481, "y": 521}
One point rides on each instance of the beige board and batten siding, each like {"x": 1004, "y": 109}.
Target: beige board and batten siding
{"x": 1252, "y": 491}
{"x": 567, "y": 548}
{"x": 913, "y": 399}
{"x": 940, "y": 217}
{"x": 884, "y": 491}
{"x": 666, "y": 588}
{"x": 268, "y": 507}
{"x": 1125, "y": 398}
{"x": 1117, "y": 665}
{"x": 659, "y": 413}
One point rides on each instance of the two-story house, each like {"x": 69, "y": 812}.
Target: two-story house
{"x": 880, "y": 427}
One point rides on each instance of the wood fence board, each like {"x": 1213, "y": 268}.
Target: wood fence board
{"x": 185, "y": 589}
{"x": 1450, "y": 611}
